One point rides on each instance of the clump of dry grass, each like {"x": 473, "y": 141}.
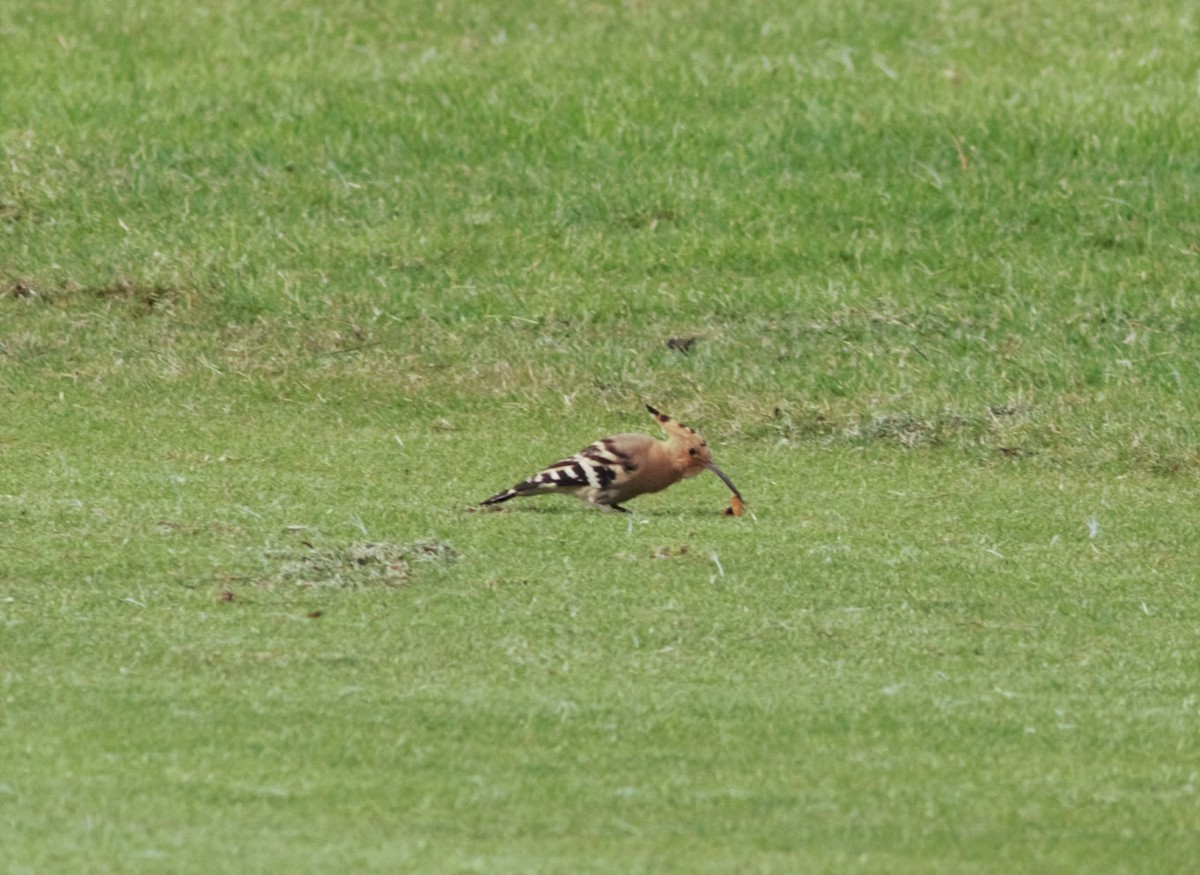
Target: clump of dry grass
{"x": 354, "y": 565}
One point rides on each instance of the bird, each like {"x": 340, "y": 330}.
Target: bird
{"x": 615, "y": 469}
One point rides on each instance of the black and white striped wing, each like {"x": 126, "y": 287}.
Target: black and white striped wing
{"x": 589, "y": 473}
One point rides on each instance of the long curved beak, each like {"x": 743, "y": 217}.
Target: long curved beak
{"x": 710, "y": 466}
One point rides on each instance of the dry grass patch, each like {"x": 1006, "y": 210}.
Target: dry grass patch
{"x": 357, "y": 564}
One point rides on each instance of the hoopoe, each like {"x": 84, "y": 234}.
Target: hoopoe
{"x": 624, "y": 466}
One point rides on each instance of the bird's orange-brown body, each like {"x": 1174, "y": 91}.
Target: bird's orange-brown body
{"x": 615, "y": 469}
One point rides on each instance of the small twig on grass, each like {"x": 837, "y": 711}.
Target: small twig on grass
{"x": 354, "y": 348}
{"x": 962, "y": 156}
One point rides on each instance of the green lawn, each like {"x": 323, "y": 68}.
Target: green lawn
{"x": 286, "y": 289}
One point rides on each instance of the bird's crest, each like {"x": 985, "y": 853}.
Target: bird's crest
{"x": 674, "y": 428}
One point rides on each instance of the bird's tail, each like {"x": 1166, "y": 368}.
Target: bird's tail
{"x": 499, "y": 497}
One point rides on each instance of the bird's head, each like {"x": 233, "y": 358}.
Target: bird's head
{"x": 689, "y": 452}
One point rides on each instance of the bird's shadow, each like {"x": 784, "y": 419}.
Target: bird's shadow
{"x": 567, "y": 510}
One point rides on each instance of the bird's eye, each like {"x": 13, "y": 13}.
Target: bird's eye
{"x": 691, "y": 451}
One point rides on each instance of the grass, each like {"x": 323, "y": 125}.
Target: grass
{"x": 285, "y": 291}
